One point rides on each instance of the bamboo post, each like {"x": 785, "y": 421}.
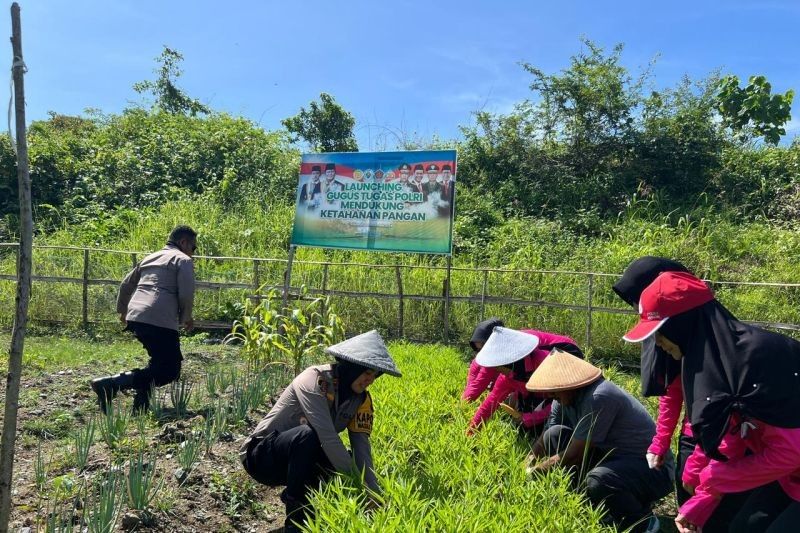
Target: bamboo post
{"x": 24, "y": 265}
{"x": 324, "y": 288}
{"x": 85, "y": 290}
{"x": 287, "y": 277}
{"x": 400, "y": 310}
{"x": 133, "y": 261}
{"x": 483, "y": 293}
{"x": 447, "y": 300}
{"x": 589, "y": 294}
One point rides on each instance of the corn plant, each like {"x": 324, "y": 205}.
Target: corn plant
{"x": 141, "y": 480}
{"x": 84, "y": 438}
{"x": 102, "y": 504}
{"x": 180, "y": 393}
{"x": 113, "y": 424}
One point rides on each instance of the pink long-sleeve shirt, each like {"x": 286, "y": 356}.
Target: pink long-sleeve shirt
{"x": 505, "y": 384}
{"x": 478, "y": 380}
{"x": 775, "y": 457}
{"x": 669, "y": 412}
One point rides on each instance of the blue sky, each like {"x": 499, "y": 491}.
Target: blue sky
{"x": 411, "y": 67}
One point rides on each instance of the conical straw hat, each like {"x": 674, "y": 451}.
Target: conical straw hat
{"x": 506, "y": 346}
{"x": 562, "y": 371}
{"x": 367, "y": 350}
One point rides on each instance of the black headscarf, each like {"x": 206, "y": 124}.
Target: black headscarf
{"x": 658, "y": 368}
{"x": 731, "y": 367}
{"x": 483, "y": 330}
{"x": 347, "y": 373}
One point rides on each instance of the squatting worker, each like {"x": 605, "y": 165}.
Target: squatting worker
{"x": 297, "y": 444}
{"x": 601, "y": 431}
{"x": 741, "y": 387}
{"x": 154, "y": 299}
{"x": 513, "y": 356}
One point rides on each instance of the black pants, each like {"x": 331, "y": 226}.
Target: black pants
{"x": 625, "y": 484}
{"x": 729, "y": 505}
{"x": 164, "y": 348}
{"x": 293, "y": 458}
{"x": 768, "y": 509}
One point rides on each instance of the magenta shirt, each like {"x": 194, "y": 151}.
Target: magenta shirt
{"x": 775, "y": 457}
{"x": 506, "y": 385}
{"x": 669, "y": 412}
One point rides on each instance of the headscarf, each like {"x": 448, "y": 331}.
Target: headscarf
{"x": 347, "y": 373}
{"x": 732, "y": 367}
{"x": 483, "y": 330}
{"x": 658, "y": 368}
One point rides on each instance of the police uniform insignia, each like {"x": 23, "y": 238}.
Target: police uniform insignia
{"x": 362, "y": 421}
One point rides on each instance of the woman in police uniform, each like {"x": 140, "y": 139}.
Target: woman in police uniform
{"x": 297, "y": 444}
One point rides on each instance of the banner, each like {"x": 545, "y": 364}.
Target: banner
{"x": 390, "y": 201}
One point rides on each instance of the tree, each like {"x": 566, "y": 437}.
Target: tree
{"x": 753, "y": 110}
{"x": 326, "y": 126}
{"x": 169, "y": 97}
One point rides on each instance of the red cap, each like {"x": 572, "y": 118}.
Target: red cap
{"x": 670, "y": 294}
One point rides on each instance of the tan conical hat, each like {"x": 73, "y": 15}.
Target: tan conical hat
{"x": 562, "y": 371}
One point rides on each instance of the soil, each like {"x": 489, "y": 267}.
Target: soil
{"x": 216, "y": 495}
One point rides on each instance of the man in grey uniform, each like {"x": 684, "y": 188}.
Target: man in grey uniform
{"x": 297, "y": 443}
{"x": 154, "y": 299}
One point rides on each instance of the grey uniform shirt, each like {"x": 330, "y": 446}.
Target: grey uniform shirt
{"x": 159, "y": 290}
{"x": 608, "y": 417}
{"x": 311, "y": 399}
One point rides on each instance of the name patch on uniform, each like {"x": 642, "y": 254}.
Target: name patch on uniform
{"x": 362, "y": 421}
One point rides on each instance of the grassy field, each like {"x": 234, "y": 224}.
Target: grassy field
{"x": 434, "y": 477}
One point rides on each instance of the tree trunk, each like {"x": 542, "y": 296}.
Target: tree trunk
{"x": 24, "y": 261}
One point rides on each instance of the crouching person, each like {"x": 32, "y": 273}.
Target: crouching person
{"x": 603, "y": 433}
{"x": 297, "y": 445}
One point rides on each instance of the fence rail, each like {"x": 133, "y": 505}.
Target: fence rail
{"x": 258, "y": 284}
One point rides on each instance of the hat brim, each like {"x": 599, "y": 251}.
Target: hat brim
{"x": 507, "y": 348}
{"x": 643, "y": 330}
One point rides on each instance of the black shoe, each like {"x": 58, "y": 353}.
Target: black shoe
{"x": 296, "y": 513}
{"x": 107, "y": 388}
{"x": 141, "y": 401}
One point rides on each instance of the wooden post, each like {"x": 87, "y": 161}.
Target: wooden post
{"x": 24, "y": 265}
{"x": 85, "y": 302}
{"x": 446, "y": 313}
{"x": 256, "y": 276}
{"x": 483, "y": 293}
{"x": 133, "y": 261}
{"x": 287, "y": 277}
{"x": 400, "y": 311}
{"x": 589, "y": 294}
{"x": 324, "y": 287}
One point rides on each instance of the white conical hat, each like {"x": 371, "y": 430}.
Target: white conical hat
{"x": 367, "y": 350}
{"x": 504, "y": 346}
{"x": 562, "y": 371}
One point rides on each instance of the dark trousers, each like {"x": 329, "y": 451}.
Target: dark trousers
{"x": 768, "y": 509}
{"x": 164, "y": 348}
{"x": 729, "y": 505}
{"x": 293, "y": 458}
{"x": 625, "y": 484}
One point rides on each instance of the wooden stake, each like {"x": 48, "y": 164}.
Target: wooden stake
{"x": 24, "y": 265}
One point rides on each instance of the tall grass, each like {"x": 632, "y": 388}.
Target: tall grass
{"x": 712, "y": 248}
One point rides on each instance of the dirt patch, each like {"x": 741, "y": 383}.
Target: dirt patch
{"x": 214, "y": 495}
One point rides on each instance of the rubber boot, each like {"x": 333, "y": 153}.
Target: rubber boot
{"x": 107, "y": 388}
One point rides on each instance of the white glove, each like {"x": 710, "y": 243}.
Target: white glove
{"x": 654, "y": 461}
